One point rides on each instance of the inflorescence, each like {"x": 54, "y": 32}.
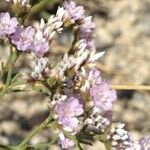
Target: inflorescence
{"x": 81, "y": 100}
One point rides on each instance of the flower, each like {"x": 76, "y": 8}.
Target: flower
{"x": 75, "y": 12}
{"x": 85, "y": 32}
{"x": 23, "y": 38}
{"x": 7, "y": 25}
{"x": 65, "y": 142}
{"x": 41, "y": 69}
{"x": 87, "y": 26}
{"x": 103, "y": 96}
{"x": 96, "y": 121}
{"x": 94, "y": 76}
{"x": 119, "y": 137}
{"x": 145, "y": 143}
{"x": 40, "y": 45}
{"x": 62, "y": 14}
{"x": 68, "y": 111}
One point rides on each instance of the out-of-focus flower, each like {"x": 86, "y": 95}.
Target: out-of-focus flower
{"x": 87, "y": 26}
{"x": 64, "y": 142}
{"x": 67, "y": 112}
{"x": 103, "y": 96}
{"x": 119, "y": 137}
{"x": 40, "y": 45}
{"x": 75, "y": 12}
{"x": 50, "y": 28}
{"x": 41, "y": 68}
{"x": 23, "y": 38}
{"x": 62, "y": 14}
{"x": 22, "y": 2}
{"x": 145, "y": 143}
{"x": 86, "y": 32}
{"x": 7, "y": 25}
{"x": 94, "y": 76}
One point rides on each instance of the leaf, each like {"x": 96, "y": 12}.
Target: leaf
{"x": 79, "y": 146}
{"x": 16, "y": 77}
{"x": 5, "y": 147}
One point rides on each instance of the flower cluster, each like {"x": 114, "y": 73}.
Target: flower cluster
{"x": 79, "y": 97}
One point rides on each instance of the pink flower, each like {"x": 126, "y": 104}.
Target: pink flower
{"x": 145, "y": 143}
{"x": 87, "y": 25}
{"x": 65, "y": 142}
{"x": 68, "y": 111}
{"x": 75, "y": 12}
{"x": 40, "y": 45}
{"x": 23, "y": 38}
{"x": 86, "y": 31}
{"x": 95, "y": 76}
{"x": 103, "y": 96}
{"x": 7, "y": 25}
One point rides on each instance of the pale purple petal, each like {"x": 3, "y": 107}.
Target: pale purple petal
{"x": 103, "y": 96}
{"x": 23, "y": 38}
{"x": 68, "y": 111}
{"x": 64, "y": 142}
{"x": 75, "y": 12}
{"x": 7, "y": 25}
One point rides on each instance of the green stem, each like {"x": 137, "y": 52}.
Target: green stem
{"x": 38, "y": 7}
{"x": 37, "y": 129}
{"x": 4, "y": 147}
{"x": 72, "y": 48}
{"x": 9, "y": 69}
{"x": 14, "y": 58}
{"x": 45, "y": 145}
{"x": 32, "y": 133}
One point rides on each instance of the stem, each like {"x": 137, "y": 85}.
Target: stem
{"x": 36, "y": 8}
{"x": 9, "y": 68}
{"x": 14, "y": 58}
{"x": 4, "y": 147}
{"x": 37, "y": 129}
{"x": 32, "y": 133}
{"x": 107, "y": 146}
{"x": 131, "y": 87}
{"x": 71, "y": 50}
{"x": 45, "y": 145}
{"x": 116, "y": 87}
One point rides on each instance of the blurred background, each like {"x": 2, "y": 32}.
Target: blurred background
{"x": 123, "y": 31}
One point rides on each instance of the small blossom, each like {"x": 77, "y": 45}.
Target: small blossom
{"x": 7, "y": 25}
{"x": 68, "y": 111}
{"x": 119, "y": 137}
{"x": 41, "y": 68}
{"x": 96, "y": 121}
{"x": 64, "y": 142}
{"x": 103, "y": 96}
{"x": 40, "y": 45}
{"x": 87, "y": 26}
{"x": 75, "y": 12}
{"x": 23, "y": 38}
{"x": 62, "y": 14}
{"x": 49, "y": 29}
{"x": 95, "y": 76}
{"x": 85, "y": 32}
{"x": 145, "y": 143}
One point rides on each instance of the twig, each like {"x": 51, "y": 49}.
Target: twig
{"x": 116, "y": 87}
{"x": 131, "y": 87}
